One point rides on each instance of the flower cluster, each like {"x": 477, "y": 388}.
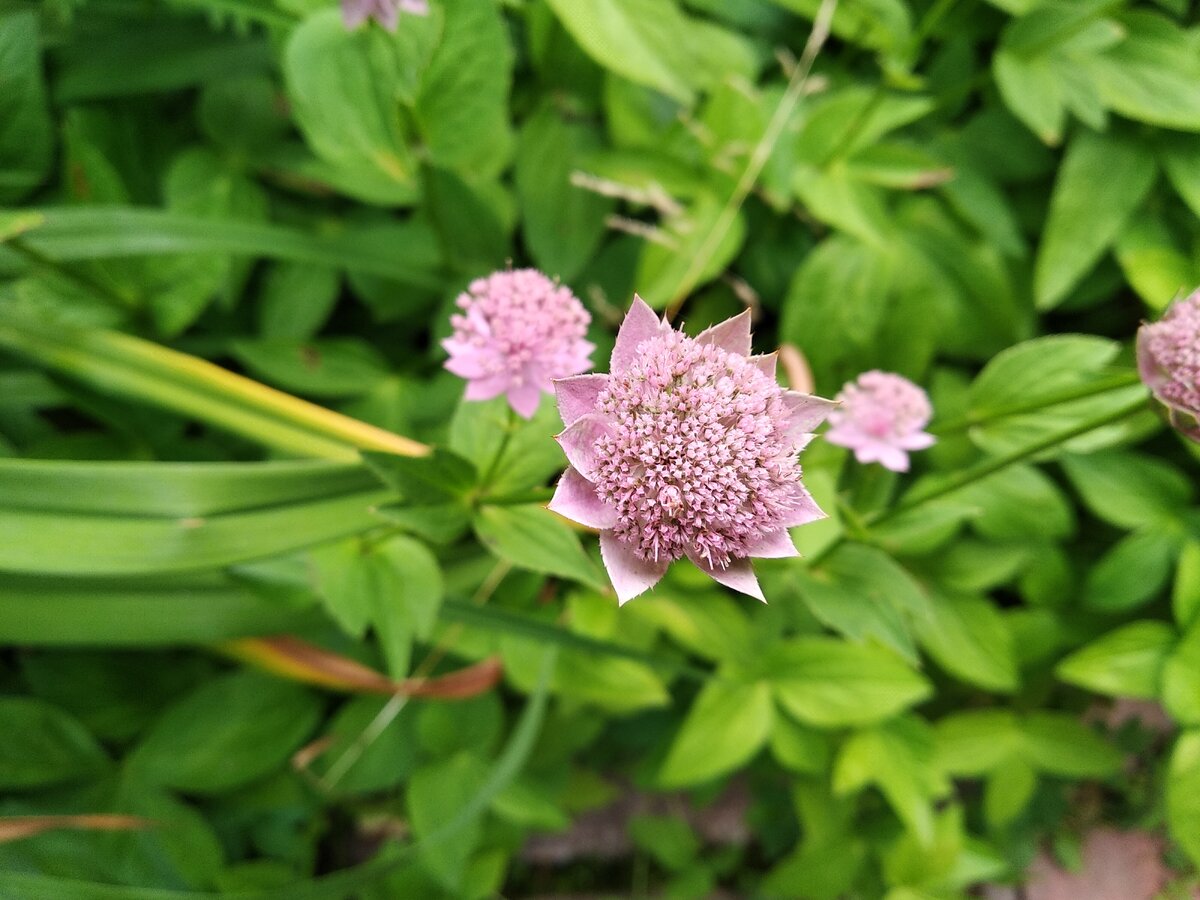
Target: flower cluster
{"x": 517, "y": 332}
{"x": 880, "y": 418}
{"x": 385, "y": 12}
{"x": 687, "y": 448}
{"x": 1168, "y": 355}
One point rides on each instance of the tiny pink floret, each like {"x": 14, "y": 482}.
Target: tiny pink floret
{"x": 687, "y": 448}
{"x": 1168, "y": 355}
{"x": 517, "y": 332}
{"x": 881, "y": 418}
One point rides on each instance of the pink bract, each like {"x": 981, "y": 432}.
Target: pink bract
{"x": 518, "y": 331}
{"x": 686, "y": 448}
{"x": 1168, "y": 356}
{"x": 880, "y": 417}
{"x": 385, "y": 12}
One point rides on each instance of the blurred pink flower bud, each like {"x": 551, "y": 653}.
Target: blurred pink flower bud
{"x": 1168, "y": 357}
{"x": 687, "y": 448}
{"x": 517, "y": 332}
{"x": 385, "y": 12}
{"x": 881, "y": 418}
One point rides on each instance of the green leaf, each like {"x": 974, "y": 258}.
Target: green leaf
{"x": 435, "y": 794}
{"x": 1133, "y": 571}
{"x": 101, "y": 232}
{"x": 898, "y": 757}
{"x": 976, "y": 742}
{"x": 1008, "y": 790}
{"x": 61, "y": 543}
{"x": 969, "y": 639}
{"x": 26, "y": 135}
{"x": 1126, "y": 662}
{"x": 863, "y": 593}
{"x": 652, "y": 43}
{"x": 831, "y": 684}
{"x": 563, "y": 223}
{"x": 408, "y": 592}
{"x": 1181, "y": 679}
{"x": 1183, "y": 794}
{"x": 1153, "y": 75}
{"x": 798, "y": 747}
{"x": 728, "y": 723}
{"x": 343, "y": 86}
{"x": 1180, "y": 158}
{"x": 44, "y": 746}
{"x": 1018, "y": 503}
{"x": 1153, "y": 261}
{"x": 338, "y": 367}
{"x": 1103, "y": 179}
{"x": 1129, "y": 490}
{"x": 1185, "y": 596}
{"x": 533, "y": 538}
{"x": 41, "y": 611}
{"x": 181, "y": 490}
{"x": 227, "y": 733}
{"x": 462, "y": 102}
{"x": 1062, "y": 745}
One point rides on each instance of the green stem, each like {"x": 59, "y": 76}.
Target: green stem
{"x": 509, "y": 428}
{"x": 1075, "y": 392}
{"x": 994, "y": 465}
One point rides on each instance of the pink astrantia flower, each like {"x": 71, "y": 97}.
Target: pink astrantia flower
{"x": 1168, "y": 356}
{"x": 687, "y": 448}
{"x": 385, "y": 12}
{"x": 517, "y": 332}
{"x": 880, "y": 419}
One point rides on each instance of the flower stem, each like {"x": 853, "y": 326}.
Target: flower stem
{"x": 991, "y": 466}
{"x": 1075, "y": 392}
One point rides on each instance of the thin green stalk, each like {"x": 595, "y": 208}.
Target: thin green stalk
{"x": 1075, "y": 392}
{"x": 994, "y": 465}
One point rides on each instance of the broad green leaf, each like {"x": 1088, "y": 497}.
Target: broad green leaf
{"x": 1018, "y": 503}
{"x": 1061, "y": 744}
{"x": 799, "y": 747}
{"x": 653, "y": 43}
{"x": 728, "y": 723}
{"x": 1153, "y": 261}
{"x": 26, "y": 135}
{"x": 864, "y": 594}
{"x": 1126, "y": 662}
{"x": 1032, "y": 90}
{"x": 969, "y": 639}
{"x": 1133, "y": 571}
{"x": 1183, "y": 794}
{"x": 408, "y": 592}
{"x": 563, "y": 223}
{"x": 1103, "y": 179}
{"x": 296, "y": 300}
{"x": 976, "y": 742}
{"x": 832, "y": 684}
{"x": 345, "y": 87}
{"x": 879, "y": 24}
{"x": 435, "y": 794}
{"x": 514, "y": 454}
{"x": 44, "y": 746}
{"x": 462, "y": 101}
{"x": 698, "y": 242}
{"x": 898, "y": 757}
{"x": 230, "y": 731}
{"x": 1181, "y": 679}
{"x": 1180, "y": 158}
{"x": 1008, "y": 790}
{"x": 1153, "y": 75}
{"x": 533, "y": 538}
{"x": 1129, "y": 490}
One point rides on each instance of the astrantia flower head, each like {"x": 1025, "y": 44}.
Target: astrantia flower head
{"x": 881, "y": 418}
{"x": 1168, "y": 355}
{"x": 385, "y": 12}
{"x": 517, "y": 332}
{"x": 687, "y": 448}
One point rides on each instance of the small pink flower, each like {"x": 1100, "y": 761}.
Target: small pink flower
{"x": 687, "y": 448}
{"x": 1168, "y": 356}
{"x": 518, "y": 332}
{"x": 385, "y": 12}
{"x": 880, "y": 419}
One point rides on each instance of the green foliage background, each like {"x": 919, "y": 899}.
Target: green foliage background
{"x": 984, "y": 197}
